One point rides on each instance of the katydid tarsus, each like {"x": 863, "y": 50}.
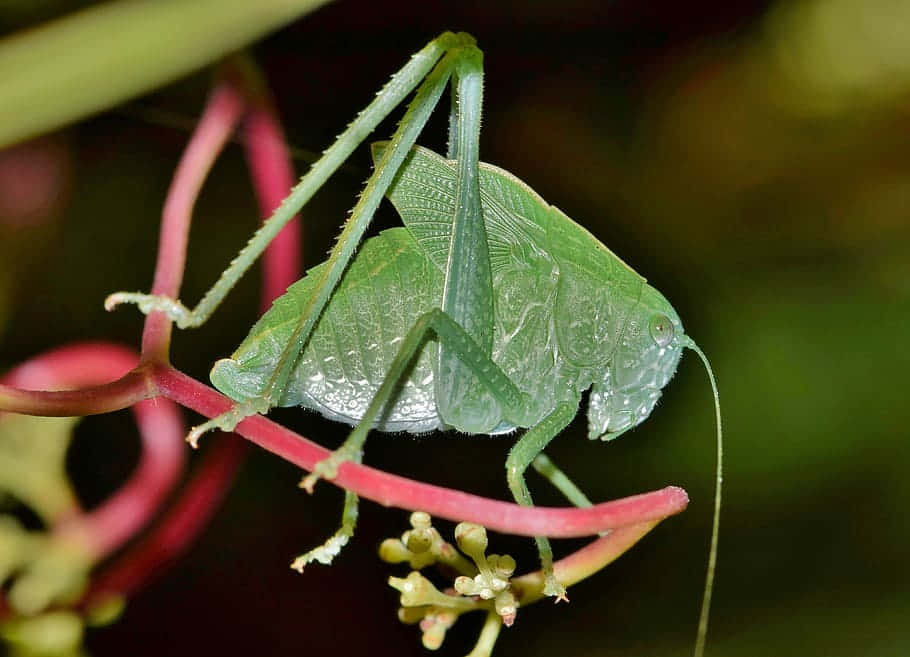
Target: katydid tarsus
{"x": 489, "y": 311}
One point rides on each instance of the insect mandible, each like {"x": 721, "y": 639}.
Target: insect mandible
{"x": 489, "y": 311}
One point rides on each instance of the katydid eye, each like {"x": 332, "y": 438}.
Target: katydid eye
{"x": 661, "y": 329}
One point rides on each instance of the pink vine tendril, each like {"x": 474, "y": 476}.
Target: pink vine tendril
{"x": 108, "y": 377}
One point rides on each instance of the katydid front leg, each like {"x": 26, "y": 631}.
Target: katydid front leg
{"x": 520, "y": 457}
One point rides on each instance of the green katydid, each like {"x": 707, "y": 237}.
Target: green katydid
{"x": 489, "y": 311}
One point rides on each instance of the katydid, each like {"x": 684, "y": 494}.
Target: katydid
{"x": 489, "y": 311}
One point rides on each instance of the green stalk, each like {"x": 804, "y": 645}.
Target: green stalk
{"x": 93, "y": 59}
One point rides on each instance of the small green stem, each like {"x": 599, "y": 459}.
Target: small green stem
{"x": 488, "y": 636}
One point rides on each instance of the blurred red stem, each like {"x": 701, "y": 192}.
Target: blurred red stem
{"x": 91, "y": 400}
{"x": 177, "y": 530}
{"x": 272, "y": 174}
{"x": 584, "y": 562}
{"x": 221, "y": 115}
{"x": 269, "y": 161}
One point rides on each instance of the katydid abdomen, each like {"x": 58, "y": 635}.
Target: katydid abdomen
{"x": 569, "y": 314}
{"x": 389, "y": 284}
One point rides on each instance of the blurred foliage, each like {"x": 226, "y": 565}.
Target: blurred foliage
{"x": 38, "y": 568}
{"x": 89, "y": 60}
{"x": 32, "y": 463}
{"x": 57, "y": 634}
{"x": 753, "y": 161}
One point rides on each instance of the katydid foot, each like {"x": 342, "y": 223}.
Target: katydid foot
{"x": 552, "y": 587}
{"x": 328, "y": 468}
{"x": 229, "y": 420}
{"x": 149, "y": 303}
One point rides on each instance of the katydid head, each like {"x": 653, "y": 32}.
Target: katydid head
{"x": 644, "y": 360}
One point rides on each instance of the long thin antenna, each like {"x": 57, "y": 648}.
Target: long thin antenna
{"x": 718, "y": 486}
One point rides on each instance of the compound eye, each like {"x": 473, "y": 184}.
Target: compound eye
{"x": 661, "y": 329}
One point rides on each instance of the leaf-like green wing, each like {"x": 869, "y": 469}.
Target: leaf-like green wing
{"x": 423, "y": 193}
{"x": 524, "y": 267}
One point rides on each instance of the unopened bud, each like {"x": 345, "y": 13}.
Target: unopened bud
{"x": 507, "y": 607}
{"x": 472, "y": 539}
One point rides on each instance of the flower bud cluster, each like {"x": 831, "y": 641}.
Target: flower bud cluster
{"x": 481, "y": 585}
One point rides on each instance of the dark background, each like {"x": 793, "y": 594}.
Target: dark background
{"x": 752, "y": 160}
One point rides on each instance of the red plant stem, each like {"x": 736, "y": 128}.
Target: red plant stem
{"x": 106, "y": 528}
{"x": 128, "y": 510}
{"x": 270, "y": 168}
{"x": 221, "y": 115}
{"x": 177, "y": 530}
{"x": 392, "y": 490}
{"x": 40, "y": 385}
{"x": 92, "y": 400}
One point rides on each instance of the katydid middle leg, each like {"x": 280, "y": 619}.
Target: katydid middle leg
{"x": 490, "y": 378}
{"x": 560, "y": 481}
{"x": 486, "y": 372}
{"x": 466, "y": 375}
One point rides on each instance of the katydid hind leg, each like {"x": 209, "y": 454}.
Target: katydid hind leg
{"x": 389, "y": 97}
{"x": 416, "y": 116}
{"x": 560, "y": 481}
{"x": 468, "y": 290}
{"x": 523, "y": 453}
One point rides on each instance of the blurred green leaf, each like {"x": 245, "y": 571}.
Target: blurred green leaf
{"x": 57, "y": 634}
{"x": 101, "y": 56}
{"x": 33, "y": 463}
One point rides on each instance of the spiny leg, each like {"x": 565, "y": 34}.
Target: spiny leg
{"x": 468, "y": 292}
{"x": 560, "y": 481}
{"x": 456, "y": 47}
{"x": 531, "y": 444}
{"x": 389, "y": 97}
{"x": 449, "y": 332}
